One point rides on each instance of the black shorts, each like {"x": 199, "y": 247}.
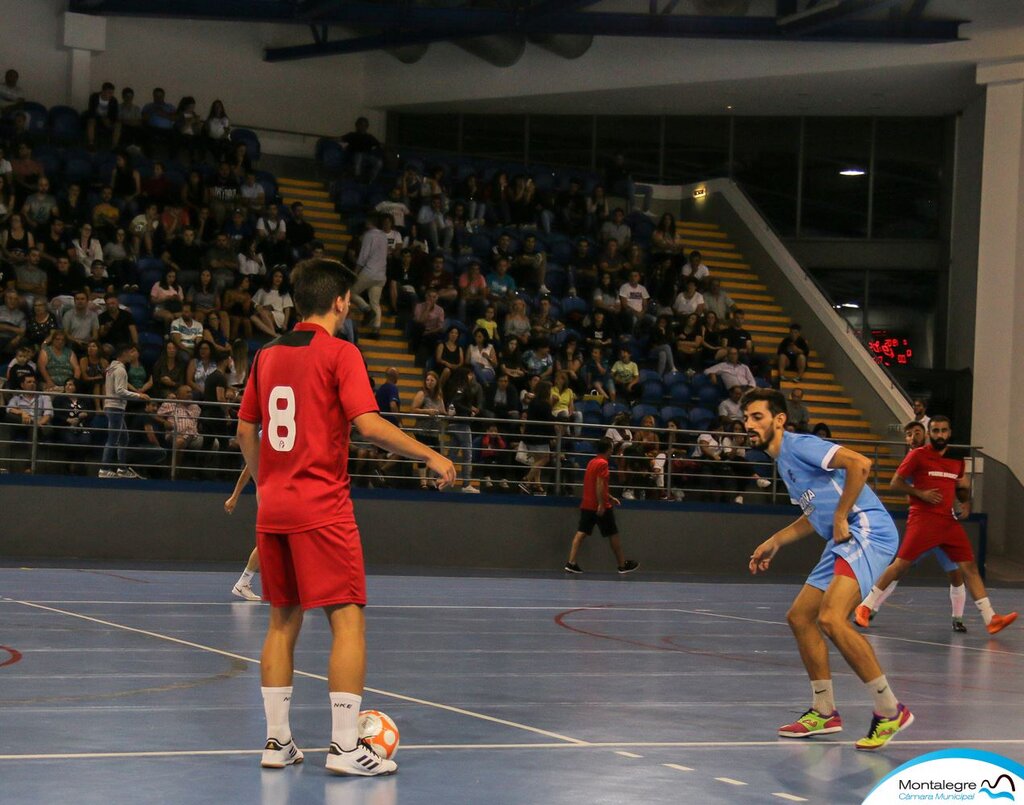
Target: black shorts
{"x": 606, "y": 522}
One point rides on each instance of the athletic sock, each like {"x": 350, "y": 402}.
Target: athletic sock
{"x": 245, "y": 579}
{"x": 873, "y": 599}
{"x": 276, "y": 703}
{"x": 885, "y": 595}
{"x": 885, "y": 700}
{"x": 958, "y": 597}
{"x": 345, "y": 719}
{"x": 985, "y": 608}
{"x": 823, "y": 701}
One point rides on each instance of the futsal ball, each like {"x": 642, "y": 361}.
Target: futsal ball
{"x": 378, "y": 730}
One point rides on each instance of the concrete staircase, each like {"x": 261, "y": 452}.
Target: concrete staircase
{"x": 768, "y": 323}
{"x": 319, "y": 210}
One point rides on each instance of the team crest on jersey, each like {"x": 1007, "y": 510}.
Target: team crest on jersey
{"x": 805, "y": 503}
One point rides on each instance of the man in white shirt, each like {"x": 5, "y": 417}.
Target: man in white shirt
{"x": 732, "y": 372}
{"x": 729, "y": 408}
{"x": 695, "y": 267}
{"x": 395, "y": 207}
{"x": 633, "y": 299}
{"x": 372, "y": 271}
{"x": 27, "y": 407}
{"x": 921, "y": 413}
{"x": 185, "y": 330}
{"x": 436, "y": 225}
{"x": 689, "y": 301}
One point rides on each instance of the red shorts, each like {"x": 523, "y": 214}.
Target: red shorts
{"x": 317, "y": 568}
{"x": 925, "y": 533}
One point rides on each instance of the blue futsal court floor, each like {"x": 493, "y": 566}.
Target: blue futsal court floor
{"x": 142, "y": 686}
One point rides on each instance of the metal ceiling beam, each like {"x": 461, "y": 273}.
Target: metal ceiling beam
{"x": 826, "y": 14}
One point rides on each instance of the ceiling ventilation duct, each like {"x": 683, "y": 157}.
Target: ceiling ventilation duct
{"x": 722, "y": 8}
{"x": 568, "y": 46}
{"x": 409, "y": 54}
{"x": 501, "y": 50}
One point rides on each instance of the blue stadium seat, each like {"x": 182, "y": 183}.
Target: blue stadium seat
{"x": 350, "y": 198}
{"x": 480, "y": 243}
{"x": 65, "y": 124}
{"x": 652, "y": 392}
{"x": 699, "y": 380}
{"x": 561, "y": 251}
{"x": 673, "y": 413}
{"x": 709, "y": 396}
{"x": 640, "y": 411}
{"x": 330, "y": 154}
{"x": 612, "y": 410}
{"x": 251, "y": 140}
{"x": 589, "y": 407}
{"x": 701, "y": 418}
{"x": 680, "y": 393}
{"x": 647, "y": 374}
{"x": 37, "y": 116}
{"x": 574, "y": 307}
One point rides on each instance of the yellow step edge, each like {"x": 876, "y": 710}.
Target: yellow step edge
{"x": 306, "y": 196}
{"x": 284, "y": 180}
{"x": 316, "y": 206}
{"x": 697, "y": 225}
{"x": 703, "y": 246}
{"x": 735, "y": 285}
{"x": 700, "y": 233}
{"x": 717, "y": 254}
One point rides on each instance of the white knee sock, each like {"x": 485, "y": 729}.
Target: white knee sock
{"x": 344, "y": 719}
{"x": 877, "y": 597}
{"x": 958, "y": 597}
{"x": 884, "y": 698}
{"x": 985, "y": 608}
{"x": 823, "y": 701}
{"x": 276, "y": 703}
{"x": 245, "y": 579}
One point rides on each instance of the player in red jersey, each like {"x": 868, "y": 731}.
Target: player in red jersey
{"x": 307, "y": 389}
{"x": 597, "y": 508}
{"x": 939, "y": 481}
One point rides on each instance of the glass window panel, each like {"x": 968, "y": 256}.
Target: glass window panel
{"x": 696, "y": 148}
{"x": 437, "y": 132}
{"x": 496, "y": 136}
{"x": 637, "y": 137}
{"x": 561, "y": 140}
{"x": 836, "y": 205}
{"x": 765, "y": 163}
{"x": 908, "y": 177}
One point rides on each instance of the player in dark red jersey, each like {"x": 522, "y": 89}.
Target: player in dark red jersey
{"x": 597, "y": 508}
{"x": 935, "y": 482}
{"x": 307, "y": 389}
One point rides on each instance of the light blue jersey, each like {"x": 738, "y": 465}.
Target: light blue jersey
{"x": 803, "y": 465}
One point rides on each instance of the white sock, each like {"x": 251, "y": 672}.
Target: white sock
{"x": 873, "y": 599}
{"x": 985, "y": 608}
{"x": 276, "y": 703}
{"x": 885, "y": 595}
{"x": 245, "y": 579}
{"x": 958, "y": 597}
{"x": 345, "y": 719}
{"x": 885, "y": 699}
{"x": 823, "y": 701}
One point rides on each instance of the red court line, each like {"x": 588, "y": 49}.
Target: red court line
{"x": 15, "y": 656}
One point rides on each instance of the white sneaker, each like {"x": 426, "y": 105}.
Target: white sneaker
{"x": 131, "y": 472}
{"x": 763, "y": 483}
{"x": 245, "y": 591}
{"x": 738, "y": 499}
{"x": 472, "y": 490}
{"x": 628, "y": 495}
{"x": 544, "y": 289}
{"x": 277, "y": 755}
{"x": 678, "y": 494}
{"x": 107, "y": 474}
{"x": 361, "y": 761}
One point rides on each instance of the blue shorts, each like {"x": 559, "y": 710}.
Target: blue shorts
{"x": 869, "y": 551}
{"x": 947, "y": 564}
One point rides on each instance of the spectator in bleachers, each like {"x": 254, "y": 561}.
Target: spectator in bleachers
{"x": 822, "y": 431}
{"x": 731, "y": 372}
{"x": 54, "y": 243}
{"x": 98, "y": 284}
{"x": 62, "y": 281}
{"x": 606, "y": 298}
{"x": 146, "y": 233}
{"x": 364, "y": 150}
{"x": 394, "y": 237}
{"x": 427, "y": 325}
{"x": 38, "y": 327}
{"x": 538, "y": 360}
{"x": 689, "y": 300}
{"x": 532, "y": 265}
{"x": 250, "y": 260}
{"x": 173, "y": 220}
{"x": 218, "y": 131}
{"x": 501, "y": 287}
{"x": 206, "y": 226}
{"x": 179, "y": 416}
{"x": 499, "y": 200}
{"x": 570, "y": 360}
{"x": 449, "y": 355}
{"x": 597, "y": 376}
{"x": 538, "y": 434}
{"x": 695, "y": 268}
{"x": 193, "y": 193}
{"x": 167, "y": 297}
{"x": 402, "y": 279}
{"x": 58, "y": 362}
{"x": 502, "y": 249}
{"x": 626, "y": 374}
{"x": 117, "y": 326}
{"x": 26, "y": 408}
{"x": 729, "y": 409}
{"x": 31, "y": 277}
{"x": 634, "y": 300}
{"x": 159, "y": 117}
{"x": 438, "y": 278}
{"x": 736, "y": 335}
{"x": 271, "y": 234}
{"x": 529, "y": 207}
{"x": 582, "y": 270}
{"x": 139, "y": 379}
{"x": 410, "y": 184}
{"x": 563, "y": 401}
{"x": 72, "y": 206}
{"x": 200, "y": 367}
{"x": 157, "y": 188}
{"x": 482, "y": 358}
{"x": 465, "y": 399}
{"x": 472, "y": 293}
{"x": 119, "y": 256}
{"x": 251, "y": 195}
{"x": 388, "y": 398}
{"x": 204, "y": 296}
{"x": 186, "y": 330}
{"x": 613, "y": 261}
{"x": 436, "y": 225}
{"x": 221, "y": 258}
{"x": 620, "y": 182}
{"x": 714, "y": 348}
{"x": 394, "y": 206}
{"x": 71, "y": 414}
{"x": 215, "y": 328}
{"x": 797, "y": 411}
{"x": 186, "y": 256}
{"x": 434, "y": 185}
{"x": 6, "y": 170}
{"x": 274, "y": 307}
{"x": 12, "y": 96}
{"x": 188, "y": 130}
{"x": 707, "y": 453}
{"x": 571, "y": 208}
{"x": 921, "y": 412}
{"x": 544, "y": 324}
{"x": 125, "y": 181}
{"x": 102, "y": 115}
{"x": 129, "y": 115}
{"x": 87, "y": 248}
{"x": 489, "y": 324}
{"x": 92, "y": 369}
{"x": 429, "y": 404}
{"x": 80, "y": 323}
{"x": 169, "y": 371}
{"x": 494, "y": 458}
{"x": 599, "y": 330}
{"x": 300, "y": 231}
{"x": 792, "y": 353}
{"x": 718, "y": 301}
{"x": 371, "y": 270}
{"x": 39, "y": 207}
{"x": 238, "y": 307}
{"x": 735, "y": 444}
{"x": 26, "y": 172}
{"x": 472, "y": 195}
{"x": 238, "y": 229}
{"x": 106, "y": 214}
{"x": 617, "y": 229}
{"x": 661, "y": 342}
{"x": 12, "y": 322}
{"x": 222, "y": 193}
{"x": 6, "y": 197}
{"x": 664, "y": 284}
{"x": 664, "y": 242}
{"x": 501, "y": 399}
{"x": 512, "y": 365}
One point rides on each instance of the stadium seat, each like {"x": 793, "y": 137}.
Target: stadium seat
{"x": 680, "y": 393}
{"x": 673, "y": 413}
{"x": 251, "y": 140}
{"x": 652, "y": 392}
{"x": 646, "y": 374}
{"x": 709, "y": 396}
{"x": 612, "y": 410}
{"x": 65, "y": 125}
{"x": 589, "y": 407}
{"x": 641, "y": 411}
{"x": 701, "y": 418}
{"x": 37, "y": 116}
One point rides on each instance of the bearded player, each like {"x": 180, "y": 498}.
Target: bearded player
{"x": 935, "y": 482}
{"x": 828, "y": 483}
{"x": 307, "y": 389}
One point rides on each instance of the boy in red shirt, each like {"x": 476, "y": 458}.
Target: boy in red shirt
{"x": 596, "y": 508}
{"x": 307, "y": 389}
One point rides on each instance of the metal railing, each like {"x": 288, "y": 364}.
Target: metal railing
{"x": 491, "y": 454}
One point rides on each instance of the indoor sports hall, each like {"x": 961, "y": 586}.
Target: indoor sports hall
{"x": 637, "y": 382}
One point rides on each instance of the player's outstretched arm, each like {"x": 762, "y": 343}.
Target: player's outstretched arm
{"x": 858, "y": 469}
{"x": 763, "y": 554}
{"x": 243, "y": 479}
{"x": 382, "y": 433}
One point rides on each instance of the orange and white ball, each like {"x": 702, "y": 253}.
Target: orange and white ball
{"x": 380, "y": 731}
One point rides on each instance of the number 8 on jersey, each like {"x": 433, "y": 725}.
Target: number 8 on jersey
{"x": 281, "y": 405}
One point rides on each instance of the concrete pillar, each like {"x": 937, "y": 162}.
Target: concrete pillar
{"x": 83, "y": 35}
{"x": 79, "y": 77}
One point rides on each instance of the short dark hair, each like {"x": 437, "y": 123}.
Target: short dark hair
{"x": 795, "y": 326}
{"x": 775, "y": 399}
{"x": 123, "y": 349}
{"x": 603, "y": 446}
{"x": 106, "y": 85}
{"x": 110, "y": 296}
{"x": 913, "y": 423}
{"x": 939, "y": 418}
{"x": 317, "y": 282}
{"x": 739, "y": 310}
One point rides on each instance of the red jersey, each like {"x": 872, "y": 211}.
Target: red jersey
{"x": 597, "y": 468}
{"x": 305, "y": 388}
{"x": 926, "y": 468}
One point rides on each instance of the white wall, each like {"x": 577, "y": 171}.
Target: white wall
{"x": 30, "y": 42}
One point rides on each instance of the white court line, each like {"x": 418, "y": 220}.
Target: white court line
{"x": 789, "y": 797}
{"x": 676, "y": 766}
{"x": 212, "y": 650}
{"x": 628, "y": 754}
{"x": 731, "y": 781}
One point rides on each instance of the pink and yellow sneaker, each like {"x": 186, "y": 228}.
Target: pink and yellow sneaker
{"x": 812, "y": 723}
